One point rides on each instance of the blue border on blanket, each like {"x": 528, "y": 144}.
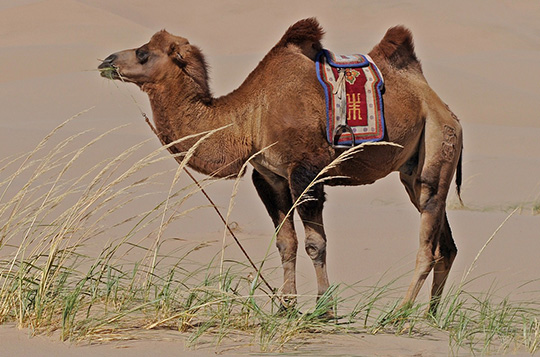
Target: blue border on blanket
{"x": 380, "y": 87}
{"x": 329, "y": 56}
{"x": 325, "y": 88}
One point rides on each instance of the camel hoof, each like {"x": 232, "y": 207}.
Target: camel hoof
{"x": 325, "y": 316}
{"x": 289, "y": 311}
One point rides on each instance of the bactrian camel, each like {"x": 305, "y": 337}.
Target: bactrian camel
{"x": 281, "y": 107}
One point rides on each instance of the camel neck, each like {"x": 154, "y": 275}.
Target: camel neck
{"x": 180, "y": 113}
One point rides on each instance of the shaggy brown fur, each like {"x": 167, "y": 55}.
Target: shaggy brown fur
{"x": 281, "y": 107}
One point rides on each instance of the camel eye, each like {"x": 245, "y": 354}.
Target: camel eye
{"x": 142, "y": 56}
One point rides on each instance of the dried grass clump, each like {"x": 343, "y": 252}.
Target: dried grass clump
{"x": 53, "y": 279}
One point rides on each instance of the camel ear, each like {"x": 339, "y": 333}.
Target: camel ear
{"x": 179, "y": 53}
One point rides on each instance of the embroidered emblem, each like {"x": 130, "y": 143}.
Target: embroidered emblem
{"x": 354, "y": 106}
{"x": 350, "y": 75}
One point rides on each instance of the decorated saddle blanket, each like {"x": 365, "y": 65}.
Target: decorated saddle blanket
{"x": 353, "y": 87}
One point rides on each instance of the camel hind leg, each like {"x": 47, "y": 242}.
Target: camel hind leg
{"x": 445, "y": 253}
{"x": 437, "y": 249}
{"x": 427, "y": 184}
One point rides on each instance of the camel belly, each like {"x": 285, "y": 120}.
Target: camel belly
{"x": 368, "y": 166}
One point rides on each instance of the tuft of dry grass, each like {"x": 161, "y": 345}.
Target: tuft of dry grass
{"x": 52, "y": 277}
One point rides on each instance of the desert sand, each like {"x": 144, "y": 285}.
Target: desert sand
{"x": 481, "y": 57}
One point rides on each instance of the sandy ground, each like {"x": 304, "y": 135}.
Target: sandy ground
{"x": 481, "y": 57}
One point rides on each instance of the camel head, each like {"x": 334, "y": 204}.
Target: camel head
{"x": 164, "y": 58}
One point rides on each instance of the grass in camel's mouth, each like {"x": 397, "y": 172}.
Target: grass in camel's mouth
{"x": 109, "y": 72}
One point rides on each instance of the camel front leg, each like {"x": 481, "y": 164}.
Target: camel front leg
{"x": 316, "y": 249}
{"x": 310, "y": 207}
{"x": 276, "y": 196}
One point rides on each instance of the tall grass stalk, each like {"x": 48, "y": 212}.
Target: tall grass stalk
{"x": 186, "y": 157}
{"x": 232, "y": 201}
{"x": 473, "y": 264}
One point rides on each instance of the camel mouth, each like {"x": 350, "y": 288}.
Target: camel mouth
{"x": 108, "y": 71}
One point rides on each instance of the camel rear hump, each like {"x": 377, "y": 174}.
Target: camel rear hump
{"x": 305, "y": 34}
{"x": 397, "y": 47}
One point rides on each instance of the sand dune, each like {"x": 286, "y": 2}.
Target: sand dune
{"x": 481, "y": 57}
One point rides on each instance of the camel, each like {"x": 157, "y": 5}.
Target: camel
{"x": 280, "y": 107}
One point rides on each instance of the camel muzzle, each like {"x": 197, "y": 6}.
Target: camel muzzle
{"x": 108, "y": 68}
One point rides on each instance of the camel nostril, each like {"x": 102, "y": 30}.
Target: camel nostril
{"x": 107, "y": 64}
{"x": 110, "y": 59}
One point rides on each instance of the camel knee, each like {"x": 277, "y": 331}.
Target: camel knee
{"x": 316, "y": 248}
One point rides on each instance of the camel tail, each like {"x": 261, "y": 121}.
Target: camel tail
{"x": 398, "y": 47}
{"x": 459, "y": 176}
{"x": 305, "y": 34}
